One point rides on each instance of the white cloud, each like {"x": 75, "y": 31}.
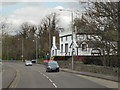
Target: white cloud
{"x": 28, "y": 14}
{"x": 59, "y": 7}
{"x": 39, "y": 1}
{"x": 34, "y": 16}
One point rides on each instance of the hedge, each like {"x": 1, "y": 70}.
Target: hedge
{"x": 96, "y": 60}
{"x": 63, "y": 58}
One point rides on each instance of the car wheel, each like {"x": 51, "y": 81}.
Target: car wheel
{"x": 57, "y": 70}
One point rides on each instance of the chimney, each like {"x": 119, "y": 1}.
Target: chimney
{"x": 54, "y": 40}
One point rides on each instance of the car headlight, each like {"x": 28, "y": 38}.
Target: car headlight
{"x": 49, "y": 66}
{"x": 57, "y": 66}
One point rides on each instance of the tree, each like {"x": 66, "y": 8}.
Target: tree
{"x": 97, "y": 15}
{"x": 48, "y": 28}
{"x": 27, "y": 33}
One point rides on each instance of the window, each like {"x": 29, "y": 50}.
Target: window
{"x": 61, "y": 38}
{"x": 66, "y": 48}
{"x": 71, "y": 37}
{"x": 53, "y": 52}
{"x": 84, "y": 47}
{"x": 62, "y": 48}
{"x": 66, "y": 38}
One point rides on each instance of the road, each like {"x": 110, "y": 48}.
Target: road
{"x": 36, "y": 77}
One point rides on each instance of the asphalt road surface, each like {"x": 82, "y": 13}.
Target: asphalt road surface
{"x": 36, "y": 77}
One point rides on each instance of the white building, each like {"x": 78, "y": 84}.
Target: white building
{"x": 83, "y": 44}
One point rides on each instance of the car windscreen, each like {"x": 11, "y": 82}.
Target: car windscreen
{"x": 28, "y": 61}
{"x": 52, "y": 63}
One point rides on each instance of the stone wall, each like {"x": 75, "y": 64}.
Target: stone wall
{"x": 89, "y": 68}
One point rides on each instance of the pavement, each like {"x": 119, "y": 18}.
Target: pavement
{"x": 101, "y": 76}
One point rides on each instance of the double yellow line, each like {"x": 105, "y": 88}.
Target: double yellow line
{"x": 16, "y": 80}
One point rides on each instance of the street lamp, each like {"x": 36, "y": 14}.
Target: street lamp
{"x": 72, "y": 34}
{"x": 49, "y": 40}
{"x": 22, "y": 50}
{"x": 36, "y": 49}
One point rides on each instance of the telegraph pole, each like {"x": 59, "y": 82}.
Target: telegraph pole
{"x": 49, "y": 40}
{"x": 36, "y": 51}
{"x": 118, "y": 44}
{"x": 22, "y": 50}
{"x": 72, "y": 41}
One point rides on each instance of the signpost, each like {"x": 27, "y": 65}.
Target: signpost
{"x": 11, "y": 59}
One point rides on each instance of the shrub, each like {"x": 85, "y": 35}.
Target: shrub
{"x": 96, "y": 60}
{"x": 63, "y": 58}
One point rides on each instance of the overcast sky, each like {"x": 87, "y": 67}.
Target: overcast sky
{"x": 19, "y": 11}
{"x": 24, "y": 11}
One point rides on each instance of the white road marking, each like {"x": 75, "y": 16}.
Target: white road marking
{"x": 49, "y": 79}
{"x": 44, "y": 74}
{"x": 54, "y": 85}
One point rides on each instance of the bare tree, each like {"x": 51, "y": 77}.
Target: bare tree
{"x": 48, "y": 27}
{"x": 101, "y": 15}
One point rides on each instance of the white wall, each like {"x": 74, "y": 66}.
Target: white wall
{"x": 68, "y": 41}
{"x": 88, "y": 52}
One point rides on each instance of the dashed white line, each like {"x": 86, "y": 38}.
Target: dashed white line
{"x": 54, "y": 85}
{"x": 49, "y": 79}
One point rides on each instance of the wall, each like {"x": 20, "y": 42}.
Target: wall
{"x": 89, "y": 68}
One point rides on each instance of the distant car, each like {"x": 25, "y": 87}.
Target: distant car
{"x": 0, "y": 62}
{"x": 52, "y": 66}
{"x": 34, "y": 61}
{"x": 28, "y": 63}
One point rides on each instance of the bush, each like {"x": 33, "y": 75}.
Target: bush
{"x": 96, "y": 60}
{"x": 63, "y": 58}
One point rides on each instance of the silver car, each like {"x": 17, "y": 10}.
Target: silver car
{"x": 28, "y": 63}
{"x": 52, "y": 66}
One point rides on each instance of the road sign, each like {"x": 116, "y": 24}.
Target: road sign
{"x": 11, "y": 59}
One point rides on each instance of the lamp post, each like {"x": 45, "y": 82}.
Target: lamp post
{"x": 36, "y": 48}
{"x": 36, "y": 51}
{"x": 72, "y": 34}
{"x": 22, "y": 50}
{"x": 49, "y": 40}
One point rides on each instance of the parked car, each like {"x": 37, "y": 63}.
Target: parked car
{"x": 34, "y": 61}
{"x": 0, "y": 62}
{"x": 28, "y": 63}
{"x": 52, "y": 66}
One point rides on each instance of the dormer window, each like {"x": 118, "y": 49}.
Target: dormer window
{"x": 61, "y": 39}
{"x": 53, "y": 52}
{"x": 84, "y": 47}
{"x": 66, "y": 38}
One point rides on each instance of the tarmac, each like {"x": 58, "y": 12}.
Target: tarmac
{"x": 8, "y": 75}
